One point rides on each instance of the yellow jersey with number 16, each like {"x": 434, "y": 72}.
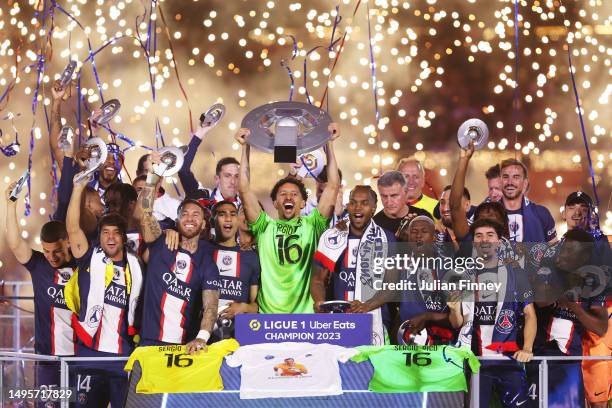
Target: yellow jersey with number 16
{"x": 169, "y": 369}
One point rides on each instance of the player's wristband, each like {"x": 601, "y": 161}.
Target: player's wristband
{"x": 203, "y": 335}
{"x": 152, "y": 178}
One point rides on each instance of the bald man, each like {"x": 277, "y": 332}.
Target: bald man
{"x": 413, "y": 171}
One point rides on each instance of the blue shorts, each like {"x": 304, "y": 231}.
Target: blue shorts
{"x": 48, "y": 378}
{"x": 508, "y": 380}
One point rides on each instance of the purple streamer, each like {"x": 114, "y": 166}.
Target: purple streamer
{"x": 284, "y": 64}
{"x": 373, "y": 71}
{"x": 516, "y": 98}
{"x": 306, "y": 66}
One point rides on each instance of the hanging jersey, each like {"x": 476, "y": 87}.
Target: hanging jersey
{"x": 173, "y": 287}
{"x": 289, "y": 369}
{"x": 169, "y": 369}
{"x": 286, "y": 249}
{"x": 53, "y": 333}
{"x": 417, "y": 368}
{"x": 238, "y": 271}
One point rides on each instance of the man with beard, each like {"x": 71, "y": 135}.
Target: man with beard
{"x": 414, "y": 173}
{"x": 239, "y": 269}
{"x": 120, "y": 199}
{"x": 396, "y": 213}
{"x": 178, "y": 283}
{"x": 529, "y": 222}
{"x": 340, "y": 254}
{"x": 286, "y": 245}
{"x": 490, "y": 320}
{"x": 104, "y": 295}
{"x": 226, "y": 175}
{"x": 50, "y": 271}
{"x": 565, "y": 315}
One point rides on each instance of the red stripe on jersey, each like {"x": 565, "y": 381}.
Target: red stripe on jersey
{"x": 80, "y": 332}
{"x": 52, "y": 332}
{"x": 479, "y": 340}
{"x": 188, "y": 278}
{"x": 99, "y": 334}
{"x": 327, "y": 263}
{"x": 183, "y": 321}
{"x": 346, "y": 257}
{"x": 238, "y": 264}
{"x": 119, "y": 331}
{"x": 161, "y": 317}
{"x": 346, "y": 295}
{"x": 215, "y": 255}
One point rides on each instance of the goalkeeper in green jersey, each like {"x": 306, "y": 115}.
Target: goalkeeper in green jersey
{"x": 286, "y": 245}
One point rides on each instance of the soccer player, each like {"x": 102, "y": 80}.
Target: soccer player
{"x": 425, "y": 308}
{"x": 226, "y": 174}
{"x": 120, "y": 199}
{"x": 50, "y": 271}
{"x": 239, "y": 269}
{"x": 445, "y": 226}
{"x": 413, "y": 171}
{"x": 564, "y": 315}
{"x": 338, "y": 254}
{"x": 528, "y": 222}
{"x": 289, "y": 368}
{"x": 178, "y": 283}
{"x": 491, "y": 321}
{"x": 104, "y": 295}
{"x": 393, "y": 190}
{"x": 286, "y": 245}
{"x": 494, "y": 184}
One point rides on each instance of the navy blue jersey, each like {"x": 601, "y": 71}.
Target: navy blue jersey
{"x": 345, "y": 269}
{"x": 174, "y": 281}
{"x": 53, "y": 333}
{"x": 238, "y": 271}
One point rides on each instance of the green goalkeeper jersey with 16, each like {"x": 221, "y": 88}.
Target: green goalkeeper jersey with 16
{"x": 417, "y": 368}
{"x": 286, "y": 248}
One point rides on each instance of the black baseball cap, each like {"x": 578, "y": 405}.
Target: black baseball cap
{"x": 579, "y": 197}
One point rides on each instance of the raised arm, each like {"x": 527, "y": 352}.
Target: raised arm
{"x": 210, "y": 299}
{"x": 188, "y": 180}
{"x": 151, "y": 230}
{"x": 248, "y": 197}
{"x": 58, "y": 93}
{"x": 330, "y": 193}
{"x": 458, "y": 216}
{"x": 17, "y": 245}
{"x": 76, "y": 236}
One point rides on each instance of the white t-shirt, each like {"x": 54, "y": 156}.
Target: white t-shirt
{"x": 273, "y": 370}
{"x": 515, "y": 225}
{"x": 166, "y": 206}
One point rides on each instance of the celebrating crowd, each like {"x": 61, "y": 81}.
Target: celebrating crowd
{"x": 125, "y": 265}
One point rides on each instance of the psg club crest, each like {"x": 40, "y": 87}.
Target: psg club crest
{"x": 181, "y": 264}
{"x": 227, "y": 260}
{"x": 65, "y": 275}
{"x": 333, "y": 240}
{"x": 506, "y": 321}
{"x": 93, "y": 316}
{"x": 82, "y": 398}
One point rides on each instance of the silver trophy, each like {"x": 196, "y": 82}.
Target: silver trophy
{"x": 287, "y": 129}
{"x": 109, "y": 110}
{"x": 335, "y": 306}
{"x": 312, "y": 163}
{"x": 473, "y": 129}
{"x": 213, "y": 115}
{"x": 67, "y": 74}
{"x": 64, "y": 140}
{"x": 172, "y": 159}
{"x": 594, "y": 281}
{"x": 97, "y": 156}
{"x": 20, "y": 185}
{"x": 405, "y": 335}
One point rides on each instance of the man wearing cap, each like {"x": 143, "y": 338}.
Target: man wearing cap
{"x": 178, "y": 283}
{"x": 413, "y": 171}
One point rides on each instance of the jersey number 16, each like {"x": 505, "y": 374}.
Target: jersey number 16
{"x": 286, "y": 249}
{"x": 176, "y": 360}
